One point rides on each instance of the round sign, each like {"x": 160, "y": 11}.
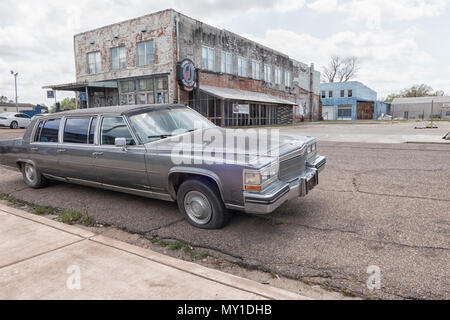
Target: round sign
{"x": 186, "y": 74}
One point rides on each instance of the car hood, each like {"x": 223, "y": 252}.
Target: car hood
{"x": 256, "y": 151}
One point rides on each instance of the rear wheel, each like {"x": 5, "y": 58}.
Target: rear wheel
{"x": 32, "y": 177}
{"x": 14, "y": 125}
{"x": 200, "y": 202}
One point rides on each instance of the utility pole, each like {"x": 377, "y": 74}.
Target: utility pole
{"x": 15, "y": 74}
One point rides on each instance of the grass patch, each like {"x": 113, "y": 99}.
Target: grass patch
{"x": 177, "y": 245}
{"x": 76, "y": 217}
{"x": 35, "y": 209}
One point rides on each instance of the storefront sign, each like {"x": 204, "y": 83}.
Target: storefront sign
{"x": 186, "y": 75}
{"x": 241, "y": 109}
{"x": 50, "y": 94}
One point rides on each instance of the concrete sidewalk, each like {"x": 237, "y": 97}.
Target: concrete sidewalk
{"x": 44, "y": 259}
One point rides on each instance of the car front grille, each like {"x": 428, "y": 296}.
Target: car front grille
{"x": 292, "y": 168}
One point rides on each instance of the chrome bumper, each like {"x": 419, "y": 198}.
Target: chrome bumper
{"x": 269, "y": 201}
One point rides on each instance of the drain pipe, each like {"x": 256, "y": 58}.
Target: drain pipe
{"x": 177, "y": 24}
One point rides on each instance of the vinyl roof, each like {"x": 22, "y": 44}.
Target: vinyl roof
{"x": 120, "y": 110}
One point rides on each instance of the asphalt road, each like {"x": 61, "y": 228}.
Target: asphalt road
{"x": 385, "y": 205}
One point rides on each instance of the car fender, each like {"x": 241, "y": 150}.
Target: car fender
{"x": 21, "y": 160}
{"x": 194, "y": 171}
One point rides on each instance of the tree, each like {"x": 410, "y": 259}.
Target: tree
{"x": 341, "y": 69}
{"x": 66, "y": 104}
{"x": 418, "y": 90}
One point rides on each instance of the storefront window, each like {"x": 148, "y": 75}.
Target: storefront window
{"x": 127, "y": 92}
{"x": 162, "y": 90}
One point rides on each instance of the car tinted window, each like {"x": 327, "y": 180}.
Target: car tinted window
{"x": 92, "y": 130}
{"x": 76, "y": 130}
{"x": 38, "y": 131}
{"x": 50, "y": 131}
{"x": 113, "y": 128}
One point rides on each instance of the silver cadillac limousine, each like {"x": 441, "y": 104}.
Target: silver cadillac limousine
{"x": 167, "y": 152}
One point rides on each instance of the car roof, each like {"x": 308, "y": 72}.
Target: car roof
{"x": 119, "y": 110}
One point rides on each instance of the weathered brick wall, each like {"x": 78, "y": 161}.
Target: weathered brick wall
{"x": 284, "y": 115}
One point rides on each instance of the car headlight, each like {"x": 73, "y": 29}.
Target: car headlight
{"x": 257, "y": 180}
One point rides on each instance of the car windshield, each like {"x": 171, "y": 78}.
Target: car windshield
{"x": 160, "y": 124}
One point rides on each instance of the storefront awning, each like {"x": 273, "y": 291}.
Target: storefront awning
{"x": 241, "y": 95}
{"x": 81, "y": 86}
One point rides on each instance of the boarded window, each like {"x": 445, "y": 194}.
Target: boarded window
{"x": 242, "y": 67}
{"x": 145, "y": 54}
{"x": 277, "y": 76}
{"x": 287, "y": 78}
{"x": 256, "y": 70}
{"x": 267, "y": 73}
{"x": 226, "y": 63}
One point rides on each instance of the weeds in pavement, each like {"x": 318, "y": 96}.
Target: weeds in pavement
{"x": 177, "y": 245}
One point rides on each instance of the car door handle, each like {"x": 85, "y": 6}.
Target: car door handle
{"x": 61, "y": 150}
{"x": 34, "y": 149}
{"x": 96, "y": 154}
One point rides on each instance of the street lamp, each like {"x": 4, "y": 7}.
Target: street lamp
{"x": 15, "y": 74}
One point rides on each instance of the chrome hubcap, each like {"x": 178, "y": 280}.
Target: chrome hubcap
{"x": 30, "y": 172}
{"x": 198, "y": 207}
{"x": 14, "y": 125}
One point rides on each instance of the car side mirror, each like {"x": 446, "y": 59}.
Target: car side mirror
{"x": 121, "y": 143}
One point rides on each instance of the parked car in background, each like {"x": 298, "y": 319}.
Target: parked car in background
{"x": 14, "y": 120}
{"x": 133, "y": 149}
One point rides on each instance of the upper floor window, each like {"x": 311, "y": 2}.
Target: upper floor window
{"x": 145, "y": 54}
{"x": 94, "y": 62}
{"x": 350, "y": 93}
{"x": 267, "y": 73}
{"x": 256, "y": 70}
{"x": 324, "y": 94}
{"x": 226, "y": 63}
{"x": 330, "y": 94}
{"x": 342, "y": 93}
{"x": 208, "y": 58}
{"x": 118, "y": 58}
{"x": 277, "y": 76}
{"x": 242, "y": 67}
{"x": 287, "y": 78}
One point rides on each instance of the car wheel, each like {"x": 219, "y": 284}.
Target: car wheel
{"x": 32, "y": 177}
{"x": 14, "y": 125}
{"x": 200, "y": 202}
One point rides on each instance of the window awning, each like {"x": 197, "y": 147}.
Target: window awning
{"x": 81, "y": 86}
{"x": 241, "y": 95}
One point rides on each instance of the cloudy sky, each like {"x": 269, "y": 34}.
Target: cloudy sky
{"x": 399, "y": 43}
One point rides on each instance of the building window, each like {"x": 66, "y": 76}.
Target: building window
{"x": 94, "y": 62}
{"x": 342, "y": 93}
{"x": 226, "y": 63}
{"x": 330, "y": 94}
{"x": 267, "y": 73}
{"x": 277, "y": 76}
{"x": 127, "y": 92}
{"x": 324, "y": 94}
{"x": 118, "y": 58}
{"x": 242, "y": 67}
{"x": 208, "y": 58}
{"x": 145, "y": 54}
{"x": 344, "y": 112}
{"x": 287, "y": 78}
{"x": 162, "y": 90}
{"x": 350, "y": 93}
{"x": 146, "y": 92}
{"x": 256, "y": 70}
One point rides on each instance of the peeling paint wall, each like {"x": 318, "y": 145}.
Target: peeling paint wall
{"x": 159, "y": 28}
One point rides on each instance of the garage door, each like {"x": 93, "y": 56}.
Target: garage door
{"x": 328, "y": 112}
{"x": 365, "y": 110}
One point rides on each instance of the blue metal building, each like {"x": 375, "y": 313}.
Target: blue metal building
{"x": 350, "y": 101}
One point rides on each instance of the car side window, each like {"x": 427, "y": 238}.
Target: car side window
{"x": 37, "y": 134}
{"x": 76, "y": 130}
{"x": 50, "y": 131}
{"x": 92, "y": 130}
{"x": 115, "y": 127}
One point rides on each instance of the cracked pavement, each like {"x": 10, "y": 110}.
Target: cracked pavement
{"x": 385, "y": 205}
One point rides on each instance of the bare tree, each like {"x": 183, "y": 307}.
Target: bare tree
{"x": 340, "y": 69}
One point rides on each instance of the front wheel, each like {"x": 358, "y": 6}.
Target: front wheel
{"x": 14, "y": 125}
{"x": 200, "y": 202}
{"x": 32, "y": 177}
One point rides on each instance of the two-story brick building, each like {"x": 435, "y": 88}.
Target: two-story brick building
{"x": 240, "y": 82}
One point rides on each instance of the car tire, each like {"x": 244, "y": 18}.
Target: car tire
{"x": 14, "y": 125}
{"x": 33, "y": 177}
{"x": 200, "y": 201}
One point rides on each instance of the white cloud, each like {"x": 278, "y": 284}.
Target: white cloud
{"x": 389, "y": 60}
{"x": 323, "y": 6}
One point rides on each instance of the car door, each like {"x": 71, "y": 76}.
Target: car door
{"x": 43, "y": 149}
{"x": 117, "y": 166}
{"x": 75, "y": 156}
